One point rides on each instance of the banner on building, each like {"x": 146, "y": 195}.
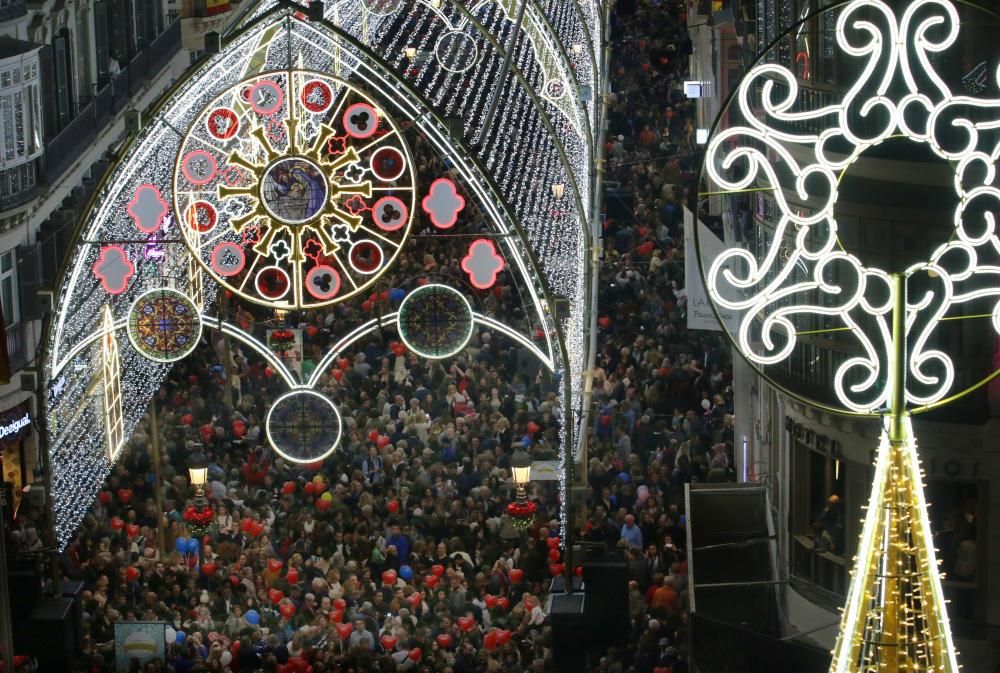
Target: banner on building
{"x": 545, "y": 470}
{"x": 138, "y": 640}
{"x": 699, "y": 310}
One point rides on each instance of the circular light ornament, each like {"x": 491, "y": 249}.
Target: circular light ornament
{"x": 279, "y": 175}
{"x": 164, "y": 325}
{"x": 303, "y": 426}
{"x": 435, "y": 321}
{"x": 799, "y": 297}
{"x": 456, "y": 51}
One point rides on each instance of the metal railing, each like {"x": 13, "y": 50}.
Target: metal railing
{"x": 72, "y": 141}
{"x": 17, "y": 348}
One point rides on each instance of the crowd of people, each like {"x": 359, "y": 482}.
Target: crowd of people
{"x": 395, "y": 553}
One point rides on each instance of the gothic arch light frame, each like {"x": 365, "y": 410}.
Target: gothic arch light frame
{"x": 77, "y": 468}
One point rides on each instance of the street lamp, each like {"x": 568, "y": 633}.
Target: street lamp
{"x": 198, "y": 470}
{"x": 520, "y": 465}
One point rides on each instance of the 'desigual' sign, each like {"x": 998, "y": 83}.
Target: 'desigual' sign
{"x": 15, "y": 424}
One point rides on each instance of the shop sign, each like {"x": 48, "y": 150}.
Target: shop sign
{"x": 15, "y": 424}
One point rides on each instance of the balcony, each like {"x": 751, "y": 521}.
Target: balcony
{"x": 66, "y": 147}
{"x": 12, "y": 9}
{"x": 17, "y": 347}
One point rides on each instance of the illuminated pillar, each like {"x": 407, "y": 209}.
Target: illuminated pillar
{"x": 895, "y": 620}
{"x": 114, "y": 428}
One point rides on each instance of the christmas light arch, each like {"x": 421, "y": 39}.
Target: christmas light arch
{"x": 78, "y": 461}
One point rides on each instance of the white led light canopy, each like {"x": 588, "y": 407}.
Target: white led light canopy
{"x": 864, "y": 237}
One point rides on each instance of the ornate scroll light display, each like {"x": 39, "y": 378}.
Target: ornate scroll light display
{"x": 895, "y": 618}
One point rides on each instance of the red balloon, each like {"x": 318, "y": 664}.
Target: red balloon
{"x": 367, "y": 305}
{"x": 239, "y": 429}
{"x": 343, "y": 363}
{"x": 187, "y": 419}
{"x": 292, "y": 576}
{"x": 104, "y": 497}
{"x": 258, "y": 528}
{"x": 490, "y": 600}
{"x": 437, "y": 570}
{"x": 131, "y": 530}
{"x": 209, "y": 568}
{"x": 276, "y": 595}
{"x": 579, "y": 571}
{"x": 604, "y": 322}
{"x": 310, "y": 488}
{"x": 287, "y": 610}
{"x": 554, "y": 555}
{"x": 323, "y": 505}
{"x": 382, "y": 442}
{"x": 415, "y": 654}
{"x": 340, "y": 604}
{"x": 268, "y": 372}
{"x": 275, "y": 565}
{"x": 533, "y": 427}
{"x": 503, "y": 636}
{"x": 234, "y": 579}
{"x": 503, "y": 603}
{"x": 415, "y": 599}
{"x": 392, "y": 506}
{"x": 552, "y": 542}
{"x": 555, "y": 569}
{"x": 132, "y": 573}
{"x": 444, "y": 640}
{"x": 516, "y": 575}
{"x": 344, "y": 631}
{"x": 117, "y": 523}
{"x": 373, "y": 436}
{"x": 337, "y": 374}
{"x": 466, "y": 623}
{"x": 389, "y": 642}
{"x": 389, "y": 578}
{"x": 490, "y": 640}
{"x": 246, "y": 525}
{"x": 312, "y": 330}
{"x": 397, "y": 348}
{"x": 289, "y": 487}
{"x": 125, "y": 495}
{"x": 431, "y": 580}
{"x": 337, "y": 616}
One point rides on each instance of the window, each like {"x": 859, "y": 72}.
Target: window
{"x": 20, "y": 114}
{"x": 8, "y": 288}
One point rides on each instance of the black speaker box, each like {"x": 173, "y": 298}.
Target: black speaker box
{"x": 48, "y": 634}
{"x": 605, "y": 583}
{"x": 24, "y": 582}
{"x": 566, "y": 614}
